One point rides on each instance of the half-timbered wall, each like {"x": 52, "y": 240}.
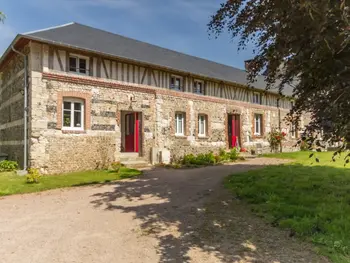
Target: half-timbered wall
{"x": 57, "y": 60}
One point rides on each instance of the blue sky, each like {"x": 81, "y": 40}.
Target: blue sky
{"x": 180, "y": 25}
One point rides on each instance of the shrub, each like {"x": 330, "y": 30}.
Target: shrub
{"x": 275, "y": 138}
{"x": 115, "y": 166}
{"x": 8, "y": 166}
{"x": 304, "y": 146}
{"x": 234, "y": 154}
{"x": 33, "y": 176}
{"x": 200, "y": 159}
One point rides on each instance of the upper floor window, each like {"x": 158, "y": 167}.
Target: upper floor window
{"x": 256, "y": 98}
{"x": 73, "y": 114}
{"x": 202, "y": 125}
{"x": 198, "y": 87}
{"x": 78, "y": 64}
{"x": 176, "y": 83}
{"x": 180, "y": 124}
{"x": 258, "y": 124}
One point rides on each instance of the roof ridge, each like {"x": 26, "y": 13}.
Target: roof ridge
{"x": 164, "y": 48}
{"x": 48, "y": 28}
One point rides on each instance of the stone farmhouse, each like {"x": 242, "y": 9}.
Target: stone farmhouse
{"x": 93, "y": 97}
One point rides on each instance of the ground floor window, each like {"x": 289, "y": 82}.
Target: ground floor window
{"x": 202, "y": 125}
{"x": 258, "y": 124}
{"x": 179, "y": 124}
{"x": 73, "y": 114}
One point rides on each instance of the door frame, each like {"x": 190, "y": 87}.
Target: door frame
{"x": 137, "y": 133}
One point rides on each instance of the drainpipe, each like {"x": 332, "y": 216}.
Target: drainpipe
{"x": 25, "y": 151}
{"x": 279, "y": 120}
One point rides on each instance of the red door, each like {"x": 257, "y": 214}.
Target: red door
{"x": 132, "y": 132}
{"x": 234, "y": 130}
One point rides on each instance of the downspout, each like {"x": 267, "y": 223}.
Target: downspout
{"x": 25, "y": 151}
{"x": 279, "y": 120}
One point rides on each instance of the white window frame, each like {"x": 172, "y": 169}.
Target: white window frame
{"x": 78, "y": 58}
{"x": 256, "y": 98}
{"x": 178, "y": 125}
{"x": 175, "y": 77}
{"x": 258, "y": 124}
{"x": 202, "y": 118}
{"x": 293, "y": 130}
{"x": 72, "y": 110}
{"x": 195, "y": 83}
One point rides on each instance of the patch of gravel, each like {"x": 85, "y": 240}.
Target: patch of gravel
{"x": 163, "y": 216}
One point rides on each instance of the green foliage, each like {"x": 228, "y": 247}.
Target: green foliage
{"x": 309, "y": 198}
{"x": 210, "y": 158}
{"x": 304, "y": 146}
{"x": 2, "y": 17}
{"x": 11, "y": 183}
{"x": 302, "y": 46}
{"x": 33, "y": 176}
{"x": 8, "y": 166}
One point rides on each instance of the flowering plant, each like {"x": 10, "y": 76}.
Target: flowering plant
{"x": 275, "y": 138}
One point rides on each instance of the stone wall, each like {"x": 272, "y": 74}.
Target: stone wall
{"x": 12, "y": 108}
{"x": 54, "y": 150}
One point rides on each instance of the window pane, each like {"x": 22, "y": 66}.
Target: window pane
{"x": 82, "y": 65}
{"x": 77, "y": 106}
{"x": 77, "y": 119}
{"x": 66, "y": 118}
{"x": 66, "y": 105}
{"x": 73, "y": 64}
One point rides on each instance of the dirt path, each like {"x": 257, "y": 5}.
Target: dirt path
{"x": 164, "y": 216}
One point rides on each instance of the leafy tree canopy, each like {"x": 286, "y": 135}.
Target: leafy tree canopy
{"x": 2, "y": 16}
{"x": 301, "y": 43}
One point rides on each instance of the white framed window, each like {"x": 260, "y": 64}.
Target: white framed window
{"x": 198, "y": 87}
{"x": 256, "y": 98}
{"x": 202, "y": 125}
{"x": 179, "y": 124}
{"x": 176, "y": 83}
{"x": 78, "y": 64}
{"x": 258, "y": 124}
{"x": 73, "y": 114}
{"x": 293, "y": 130}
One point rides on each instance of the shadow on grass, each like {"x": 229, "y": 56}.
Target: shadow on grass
{"x": 188, "y": 211}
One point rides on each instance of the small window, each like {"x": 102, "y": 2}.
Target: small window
{"x": 77, "y": 64}
{"x": 258, "y": 124}
{"x": 180, "y": 124}
{"x": 198, "y": 87}
{"x": 293, "y": 130}
{"x": 176, "y": 83}
{"x": 73, "y": 114}
{"x": 256, "y": 98}
{"x": 202, "y": 125}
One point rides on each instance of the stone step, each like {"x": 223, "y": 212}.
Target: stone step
{"x": 129, "y": 157}
{"x": 137, "y": 164}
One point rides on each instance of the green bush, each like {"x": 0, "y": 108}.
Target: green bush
{"x": 234, "y": 154}
{"x": 8, "y": 166}
{"x": 200, "y": 159}
{"x": 304, "y": 146}
{"x": 33, "y": 176}
{"x": 115, "y": 166}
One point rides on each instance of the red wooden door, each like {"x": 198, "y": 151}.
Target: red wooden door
{"x": 234, "y": 130}
{"x": 131, "y": 132}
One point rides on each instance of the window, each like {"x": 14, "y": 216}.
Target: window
{"x": 293, "y": 130}
{"x": 73, "y": 114}
{"x": 198, "y": 87}
{"x": 179, "y": 124}
{"x": 258, "y": 124}
{"x": 256, "y": 98}
{"x": 176, "y": 83}
{"x": 77, "y": 64}
{"x": 202, "y": 125}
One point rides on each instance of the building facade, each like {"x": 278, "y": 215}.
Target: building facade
{"x": 87, "y": 107}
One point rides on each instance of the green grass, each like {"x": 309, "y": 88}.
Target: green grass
{"x": 10, "y": 183}
{"x": 309, "y": 198}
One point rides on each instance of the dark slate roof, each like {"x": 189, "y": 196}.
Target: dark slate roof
{"x": 92, "y": 39}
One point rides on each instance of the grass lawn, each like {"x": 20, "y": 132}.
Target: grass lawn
{"x": 10, "y": 183}
{"x": 309, "y": 198}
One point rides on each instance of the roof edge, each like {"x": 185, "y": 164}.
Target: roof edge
{"x": 48, "y": 28}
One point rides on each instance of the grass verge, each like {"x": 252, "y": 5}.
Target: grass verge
{"x": 10, "y": 183}
{"x": 309, "y": 198}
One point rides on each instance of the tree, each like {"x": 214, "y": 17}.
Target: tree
{"x": 300, "y": 43}
{"x": 2, "y": 17}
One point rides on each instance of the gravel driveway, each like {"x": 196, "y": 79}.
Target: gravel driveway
{"x": 163, "y": 216}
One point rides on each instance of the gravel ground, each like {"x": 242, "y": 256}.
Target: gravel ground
{"x": 163, "y": 216}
